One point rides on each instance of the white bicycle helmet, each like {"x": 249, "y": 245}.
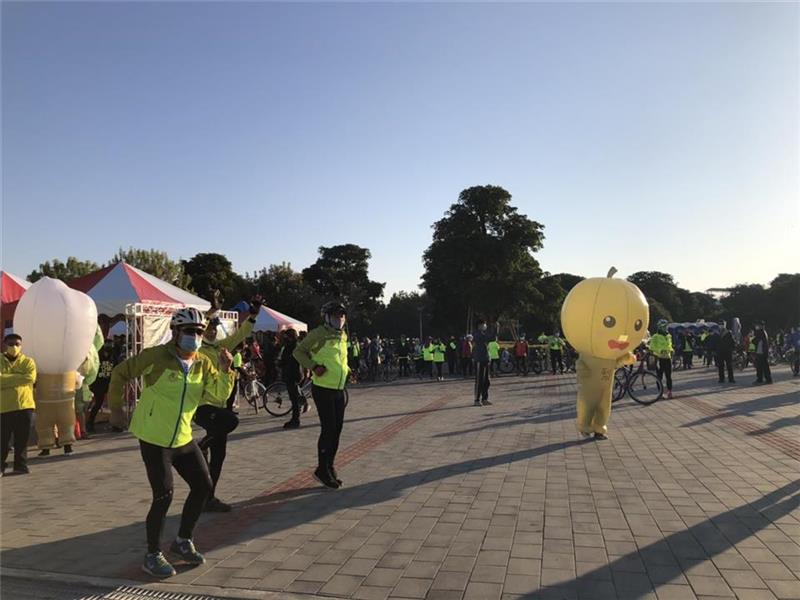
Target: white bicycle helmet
{"x": 188, "y": 316}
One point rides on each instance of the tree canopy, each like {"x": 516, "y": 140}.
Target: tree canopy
{"x": 481, "y": 259}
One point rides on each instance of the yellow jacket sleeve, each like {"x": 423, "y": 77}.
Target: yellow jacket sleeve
{"x": 26, "y": 377}
{"x": 303, "y": 350}
{"x": 229, "y": 343}
{"x": 216, "y": 383}
{"x": 125, "y": 372}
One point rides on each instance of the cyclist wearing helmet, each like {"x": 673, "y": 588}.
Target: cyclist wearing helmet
{"x": 175, "y": 379}
{"x": 661, "y": 346}
{"x": 217, "y": 417}
{"x": 324, "y": 353}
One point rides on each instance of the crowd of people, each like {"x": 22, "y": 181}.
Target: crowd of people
{"x": 192, "y": 379}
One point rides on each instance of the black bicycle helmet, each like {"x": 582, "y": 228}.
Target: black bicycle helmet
{"x": 332, "y": 307}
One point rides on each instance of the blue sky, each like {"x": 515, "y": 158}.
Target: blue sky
{"x": 648, "y": 136}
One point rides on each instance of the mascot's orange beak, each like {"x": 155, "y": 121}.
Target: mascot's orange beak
{"x": 619, "y": 344}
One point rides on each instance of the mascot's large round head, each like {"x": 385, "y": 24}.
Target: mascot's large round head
{"x": 605, "y": 317}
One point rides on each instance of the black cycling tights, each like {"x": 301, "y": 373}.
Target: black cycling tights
{"x": 190, "y": 465}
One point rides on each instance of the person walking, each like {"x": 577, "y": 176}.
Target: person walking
{"x": 427, "y": 356}
{"x": 452, "y": 356}
{"x": 292, "y": 374}
{"x": 218, "y": 418}
{"x": 660, "y": 345}
{"x": 17, "y": 378}
{"x": 687, "y": 349}
{"x": 480, "y": 352}
{"x": 466, "y": 356}
{"x": 439, "y": 350}
{"x": 176, "y": 377}
{"x": 521, "y": 351}
{"x": 556, "y": 344}
{"x": 725, "y": 348}
{"x": 100, "y": 386}
{"x": 761, "y": 342}
{"x": 324, "y": 353}
{"x": 493, "y": 348}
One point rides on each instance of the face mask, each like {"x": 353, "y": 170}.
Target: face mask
{"x": 13, "y": 351}
{"x": 334, "y": 321}
{"x": 190, "y": 343}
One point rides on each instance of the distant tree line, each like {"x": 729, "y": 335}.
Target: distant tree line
{"x": 481, "y": 263}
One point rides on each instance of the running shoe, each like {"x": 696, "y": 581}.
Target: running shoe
{"x": 185, "y": 550}
{"x": 157, "y": 565}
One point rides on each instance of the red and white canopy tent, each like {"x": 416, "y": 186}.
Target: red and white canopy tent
{"x": 11, "y": 290}
{"x": 114, "y": 287}
{"x": 269, "y": 319}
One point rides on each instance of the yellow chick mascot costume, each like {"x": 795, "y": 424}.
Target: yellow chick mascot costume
{"x": 604, "y": 319}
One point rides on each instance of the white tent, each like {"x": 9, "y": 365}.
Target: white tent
{"x": 269, "y": 319}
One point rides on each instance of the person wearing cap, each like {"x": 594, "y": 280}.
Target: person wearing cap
{"x": 176, "y": 377}
{"x": 17, "y": 376}
{"x": 218, "y": 418}
{"x": 324, "y": 353}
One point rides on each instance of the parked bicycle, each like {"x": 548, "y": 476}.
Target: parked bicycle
{"x": 276, "y": 401}
{"x": 641, "y": 385}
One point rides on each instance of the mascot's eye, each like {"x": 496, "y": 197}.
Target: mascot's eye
{"x": 638, "y": 325}
{"x": 609, "y": 321}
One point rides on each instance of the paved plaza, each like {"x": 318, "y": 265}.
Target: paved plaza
{"x": 695, "y": 497}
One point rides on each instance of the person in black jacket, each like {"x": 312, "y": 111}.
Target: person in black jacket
{"x": 725, "y": 347}
{"x": 480, "y": 354}
{"x": 292, "y": 375}
{"x": 761, "y": 341}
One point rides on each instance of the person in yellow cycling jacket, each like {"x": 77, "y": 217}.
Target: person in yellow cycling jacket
{"x": 17, "y": 376}
{"x": 493, "y": 348}
{"x": 556, "y": 345}
{"x": 218, "y": 418}
{"x": 427, "y": 356}
{"x": 176, "y": 378}
{"x": 439, "y": 350}
{"x": 324, "y": 353}
{"x": 661, "y": 347}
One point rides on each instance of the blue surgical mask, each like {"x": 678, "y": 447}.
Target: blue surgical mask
{"x": 190, "y": 343}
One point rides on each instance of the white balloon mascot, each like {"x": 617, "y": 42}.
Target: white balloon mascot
{"x": 58, "y": 325}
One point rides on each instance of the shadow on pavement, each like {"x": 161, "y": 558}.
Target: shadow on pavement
{"x": 750, "y": 408}
{"x": 668, "y": 558}
{"x": 253, "y": 518}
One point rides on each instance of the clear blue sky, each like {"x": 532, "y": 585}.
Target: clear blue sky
{"x": 648, "y": 136}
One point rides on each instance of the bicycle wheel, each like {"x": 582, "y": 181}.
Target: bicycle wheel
{"x": 506, "y": 367}
{"x": 645, "y": 388}
{"x": 253, "y": 390}
{"x": 276, "y": 400}
{"x": 620, "y": 383}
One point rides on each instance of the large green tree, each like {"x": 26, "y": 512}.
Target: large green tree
{"x": 156, "y": 263}
{"x": 749, "y": 302}
{"x": 64, "y": 271}
{"x": 342, "y": 273}
{"x": 481, "y": 260}
{"x": 284, "y": 289}
{"x": 210, "y": 272}
{"x": 405, "y": 314}
{"x": 784, "y": 301}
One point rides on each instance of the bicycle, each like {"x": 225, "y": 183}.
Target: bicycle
{"x": 641, "y": 385}
{"x": 250, "y": 386}
{"x": 276, "y": 399}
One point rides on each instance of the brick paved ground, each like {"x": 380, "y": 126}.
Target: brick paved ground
{"x": 697, "y": 497}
